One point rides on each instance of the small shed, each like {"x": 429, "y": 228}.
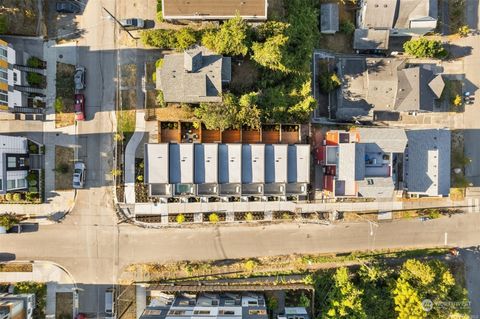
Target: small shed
{"x": 329, "y": 18}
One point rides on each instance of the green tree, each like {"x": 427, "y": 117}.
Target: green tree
{"x": 270, "y": 53}
{"x": 3, "y": 25}
{"x": 407, "y": 302}
{"x": 344, "y": 299}
{"x": 231, "y": 113}
{"x": 425, "y": 48}
{"x": 377, "y": 297}
{"x": 270, "y": 29}
{"x": 185, "y": 38}
{"x": 160, "y": 38}
{"x": 7, "y": 221}
{"x": 230, "y": 39}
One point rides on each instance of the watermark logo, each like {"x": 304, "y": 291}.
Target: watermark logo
{"x": 427, "y": 304}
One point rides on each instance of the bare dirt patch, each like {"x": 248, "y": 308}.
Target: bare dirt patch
{"x": 64, "y": 305}
{"x": 63, "y": 167}
{"x": 244, "y": 76}
{"x": 128, "y": 75}
{"x": 65, "y": 91}
{"x": 16, "y": 267}
{"x": 20, "y": 16}
{"x": 128, "y": 99}
{"x": 174, "y": 112}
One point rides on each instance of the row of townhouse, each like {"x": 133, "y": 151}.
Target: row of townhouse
{"x": 227, "y": 170}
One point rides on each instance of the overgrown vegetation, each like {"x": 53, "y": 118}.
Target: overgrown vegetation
{"x": 282, "y": 52}
{"x": 425, "y": 48}
{"x": 40, "y": 291}
{"x": 3, "y": 25}
{"x": 382, "y": 291}
{"x": 7, "y": 221}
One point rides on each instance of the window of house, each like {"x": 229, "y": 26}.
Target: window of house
{"x": 152, "y": 312}
{"x": 1, "y": 184}
{"x": 183, "y": 303}
{"x": 3, "y": 97}
{"x": 11, "y": 184}
{"x": 226, "y": 312}
{"x": 201, "y": 312}
{"x": 3, "y": 75}
{"x": 257, "y": 312}
{"x": 3, "y": 53}
{"x": 21, "y": 183}
{"x": 370, "y": 181}
{"x": 229, "y": 302}
{"x": 252, "y": 303}
{"x": 11, "y": 162}
{"x": 176, "y": 312}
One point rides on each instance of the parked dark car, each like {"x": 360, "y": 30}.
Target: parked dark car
{"x": 67, "y": 7}
{"x": 79, "y": 107}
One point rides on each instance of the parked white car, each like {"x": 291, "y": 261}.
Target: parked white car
{"x": 79, "y": 77}
{"x": 132, "y": 24}
{"x": 79, "y": 172}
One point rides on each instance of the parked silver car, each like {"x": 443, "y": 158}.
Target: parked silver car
{"x": 79, "y": 172}
{"x": 134, "y": 23}
{"x": 79, "y": 77}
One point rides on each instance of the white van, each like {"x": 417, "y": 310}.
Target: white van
{"x": 109, "y": 302}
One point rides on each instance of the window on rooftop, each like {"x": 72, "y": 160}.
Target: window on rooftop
{"x": 201, "y": 312}
{"x": 176, "y": 312}
{"x": 257, "y": 312}
{"x": 229, "y": 302}
{"x": 370, "y": 181}
{"x": 226, "y": 312}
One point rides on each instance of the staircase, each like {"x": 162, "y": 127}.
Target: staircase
{"x": 25, "y": 68}
{"x": 29, "y": 89}
{"x": 36, "y": 161}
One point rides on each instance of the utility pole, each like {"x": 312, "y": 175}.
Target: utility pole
{"x": 120, "y": 24}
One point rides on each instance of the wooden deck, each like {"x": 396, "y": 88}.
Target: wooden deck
{"x": 251, "y": 137}
{"x": 169, "y": 135}
{"x": 211, "y": 136}
{"x": 270, "y": 137}
{"x": 231, "y": 136}
{"x": 290, "y": 137}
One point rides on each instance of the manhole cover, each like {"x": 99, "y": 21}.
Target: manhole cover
{"x": 61, "y": 56}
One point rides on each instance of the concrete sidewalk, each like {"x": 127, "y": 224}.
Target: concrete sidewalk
{"x": 57, "y": 279}
{"x": 130, "y": 151}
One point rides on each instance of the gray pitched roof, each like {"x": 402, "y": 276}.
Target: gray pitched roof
{"x": 329, "y": 18}
{"x": 417, "y": 14}
{"x": 437, "y": 85}
{"x": 371, "y": 39}
{"x": 427, "y": 162}
{"x": 193, "y": 77}
{"x": 400, "y": 14}
{"x": 385, "y": 84}
{"x": 378, "y": 14}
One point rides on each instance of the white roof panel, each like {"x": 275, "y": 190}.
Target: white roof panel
{"x": 157, "y": 163}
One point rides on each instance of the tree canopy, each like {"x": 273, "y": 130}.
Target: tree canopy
{"x": 425, "y": 48}
{"x": 232, "y": 113}
{"x": 232, "y": 38}
{"x": 384, "y": 292}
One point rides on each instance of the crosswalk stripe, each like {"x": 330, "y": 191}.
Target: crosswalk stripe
{"x": 470, "y": 208}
